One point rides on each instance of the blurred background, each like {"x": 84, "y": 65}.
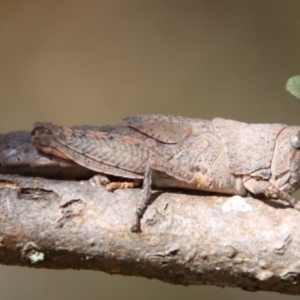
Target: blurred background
{"x": 94, "y": 62}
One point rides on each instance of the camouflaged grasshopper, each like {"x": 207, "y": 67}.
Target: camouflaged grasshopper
{"x": 221, "y": 156}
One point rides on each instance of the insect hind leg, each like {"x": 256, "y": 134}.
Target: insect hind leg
{"x": 146, "y": 200}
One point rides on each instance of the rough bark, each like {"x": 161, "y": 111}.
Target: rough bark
{"x": 187, "y": 239}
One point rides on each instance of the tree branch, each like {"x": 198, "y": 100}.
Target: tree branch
{"x": 186, "y": 239}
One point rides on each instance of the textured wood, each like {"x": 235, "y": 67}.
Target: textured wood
{"x": 186, "y": 239}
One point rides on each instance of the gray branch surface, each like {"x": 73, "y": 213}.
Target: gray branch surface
{"x": 186, "y": 239}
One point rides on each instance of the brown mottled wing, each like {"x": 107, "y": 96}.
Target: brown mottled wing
{"x": 121, "y": 130}
{"x": 167, "y": 129}
{"x": 19, "y": 156}
{"x": 250, "y": 147}
{"x": 100, "y": 151}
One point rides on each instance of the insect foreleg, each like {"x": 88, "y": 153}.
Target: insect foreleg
{"x": 268, "y": 189}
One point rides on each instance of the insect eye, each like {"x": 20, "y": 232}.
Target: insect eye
{"x": 295, "y": 139}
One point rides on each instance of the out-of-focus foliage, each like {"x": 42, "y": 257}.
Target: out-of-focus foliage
{"x": 293, "y": 86}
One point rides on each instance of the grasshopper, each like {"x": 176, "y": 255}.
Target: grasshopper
{"x": 220, "y": 156}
